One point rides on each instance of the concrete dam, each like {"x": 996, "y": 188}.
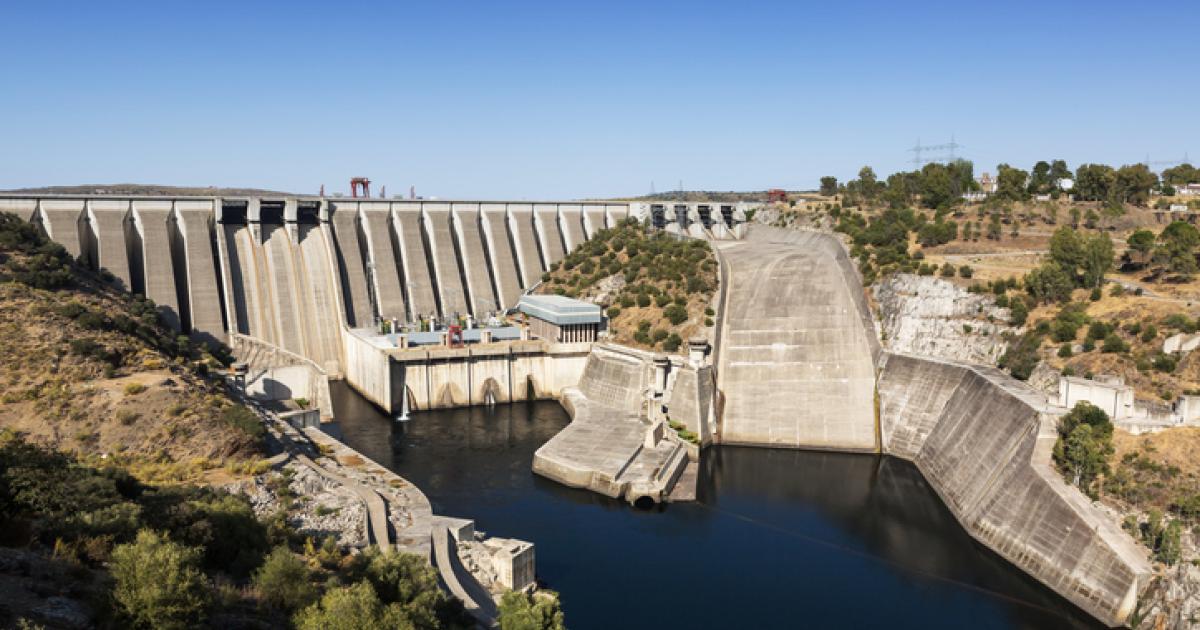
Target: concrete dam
{"x": 796, "y": 361}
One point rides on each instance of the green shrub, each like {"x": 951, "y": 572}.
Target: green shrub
{"x": 613, "y": 312}
{"x": 1114, "y": 344}
{"x": 283, "y": 581}
{"x": 643, "y": 300}
{"x": 659, "y": 334}
{"x": 1064, "y": 351}
{"x": 1149, "y": 333}
{"x": 626, "y": 301}
{"x": 1022, "y": 355}
{"x": 708, "y": 321}
{"x": 157, "y": 583}
{"x": 240, "y": 417}
{"x": 526, "y": 611}
{"x": 708, "y": 312}
{"x": 133, "y": 389}
{"x": 672, "y": 343}
{"x": 966, "y": 271}
{"x": 676, "y": 314}
{"x": 352, "y": 608}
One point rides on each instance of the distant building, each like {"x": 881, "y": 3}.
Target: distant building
{"x": 558, "y": 318}
{"x": 1188, "y": 190}
{"x": 988, "y": 184}
{"x": 1065, "y": 183}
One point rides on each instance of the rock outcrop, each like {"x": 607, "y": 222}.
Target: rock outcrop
{"x": 932, "y": 317}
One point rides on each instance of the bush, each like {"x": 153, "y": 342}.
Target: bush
{"x": 1064, "y": 351}
{"x": 613, "y": 312}
{"x": 526, "y": 611}
{"x": 1149, "y": 333}
{"x": 1114, "y": 344}
{"x": 1022, "y": 355}
{"x": 1084, "y": 445}
{"x": 643, "y": 300}
{"x": 672, "y": 343}
{"x": 1018, "y": 312}
{"x": 133, "y": 389}
{"x": 240, "y": 417}
{"x": 352, "y": 608}
{"x": 708, "y": 312}
{"x": 965, "y": 271}
{"x": 676, "y": 314}
{"x": 158, "y": 583}
{"x": 948, "y": 270}
{"x": 626, "y": 301}
{"x": 1165, "y": 363}
{"x": 283, "y": 581}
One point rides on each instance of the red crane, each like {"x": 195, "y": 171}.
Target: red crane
{"x": 356, "y": 182}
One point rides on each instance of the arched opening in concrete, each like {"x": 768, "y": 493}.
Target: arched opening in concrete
{"x": 449, "y": 395}
{"x": 644, "y": 502}
{"x": 491, "y": 392}
{"x": 530, "y": 388}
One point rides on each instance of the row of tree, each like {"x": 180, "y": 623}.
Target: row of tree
{"x": 938, "y": 185}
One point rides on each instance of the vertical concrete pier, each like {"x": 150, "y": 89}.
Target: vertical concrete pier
{"x": 440, "y": 236}
{"x": 343, "y": 222}
{"x": 473, "y": 251}
{"x": 202, "y": 297}
{"x": 153, "y": 220}
{"x": 570, "y": 217}
{"x": 545, "y": 223}
{"x": 494, "y": 217}
{"x": 62, "y": 220}
{"x": 594, "y": 219}
{"x": 520, "y": 217}
{"x": 384, "y": 273}
{"x": 108, "y": 227}
{"x": 417, "y": 277}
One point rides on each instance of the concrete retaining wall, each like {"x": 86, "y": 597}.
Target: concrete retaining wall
{"x": 984, "y": 441}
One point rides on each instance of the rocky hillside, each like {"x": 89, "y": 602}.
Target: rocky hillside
{"x": 932, "y": 317}
{"x": 87, "y": 368}
{"x": 657, "y": 289}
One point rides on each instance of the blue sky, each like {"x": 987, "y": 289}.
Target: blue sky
{"x": 570, "y": 99}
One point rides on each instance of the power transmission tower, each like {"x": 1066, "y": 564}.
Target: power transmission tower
{"x": 950, "y": 147}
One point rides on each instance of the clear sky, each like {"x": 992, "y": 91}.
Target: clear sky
{"x": 572, "y": 99}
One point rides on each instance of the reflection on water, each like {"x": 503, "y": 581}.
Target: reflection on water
{"x": 778, "y": 538}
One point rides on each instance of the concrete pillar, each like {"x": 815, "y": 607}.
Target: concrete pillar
{"x": 485, "y": 336}
{"x": 402, "y": 341}
{"x": 444, "y": 337}
{"x": 662, "y": 366}
{"x": 697, "y": 350}
{"x": 524, "y": 333}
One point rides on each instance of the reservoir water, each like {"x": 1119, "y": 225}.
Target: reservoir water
{"x": 777, "y": 538}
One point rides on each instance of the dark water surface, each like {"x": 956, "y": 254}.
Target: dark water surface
{"x": 778, "y": 538}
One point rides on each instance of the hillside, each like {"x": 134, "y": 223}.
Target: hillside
{"x": 657, "y": 289}
{"x": 89, "y": 369}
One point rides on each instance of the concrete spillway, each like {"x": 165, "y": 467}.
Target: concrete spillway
{"x": 796, "y": 349}
{"x": 350, "y": 265}
{"x": 415, "y": 260}
{"x": 155, "y": 225}
{"x": 449, "y": 285}
{"x": 385, "y": 270}
{"x": 107, "y": 220}
{"x": 475, "y": 255}
{"x": 494, "y": 227}
{"x": 571, "y": 221}
{"x": 202, "y": 301}
{"x": 520, "y": 218}
{"x": 318, "y": 298}
{"x": 545, "y": 223}
{"x": 594, "y": 220}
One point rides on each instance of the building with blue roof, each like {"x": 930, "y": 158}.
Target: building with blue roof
{"x": 558, "y": 318}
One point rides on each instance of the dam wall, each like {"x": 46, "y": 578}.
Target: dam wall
{"x": 795, "y": 334}
{"x": 293, "y": 271}
{"x": 983, "y": 441}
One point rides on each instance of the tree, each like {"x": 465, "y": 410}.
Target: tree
{"x": 935, "y": 186}
{"x": 526, "y": 611}
{"x": 1177, "y": 247}
{"x": 1040, "y": 182}
{"x": 1059, "y": 170}
{"x": 1010, "y": 183}
{"x": 1132, "y": 184}
{"x": 283, "y": 581}
{"x": 352, "y": 608}
{"x": 829, "y": 185}
{"x": 868, "y": 184}
{"x": 1049, "y": 283}
{"x": 1180, "y": 175}
{"x": 1093, "y": 182}
{"x": 1141, "y": 241}
{"x": 1084, "y": 445}
{"x": 1097, "y": 259}
{"x": 158, "y": 582}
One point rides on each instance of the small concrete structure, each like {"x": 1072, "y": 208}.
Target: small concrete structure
{"x": 558, "y": 318}
{"x": 1110, "y": 394}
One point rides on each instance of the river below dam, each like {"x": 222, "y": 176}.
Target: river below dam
{"x": 777, "y": 538}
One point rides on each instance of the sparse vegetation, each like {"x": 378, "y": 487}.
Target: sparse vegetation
{"x": 660, "y": 279}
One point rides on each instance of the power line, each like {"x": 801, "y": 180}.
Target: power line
{"x": 918, "y": 160}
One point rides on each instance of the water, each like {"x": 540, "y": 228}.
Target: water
{"x": 778, "y": 538}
